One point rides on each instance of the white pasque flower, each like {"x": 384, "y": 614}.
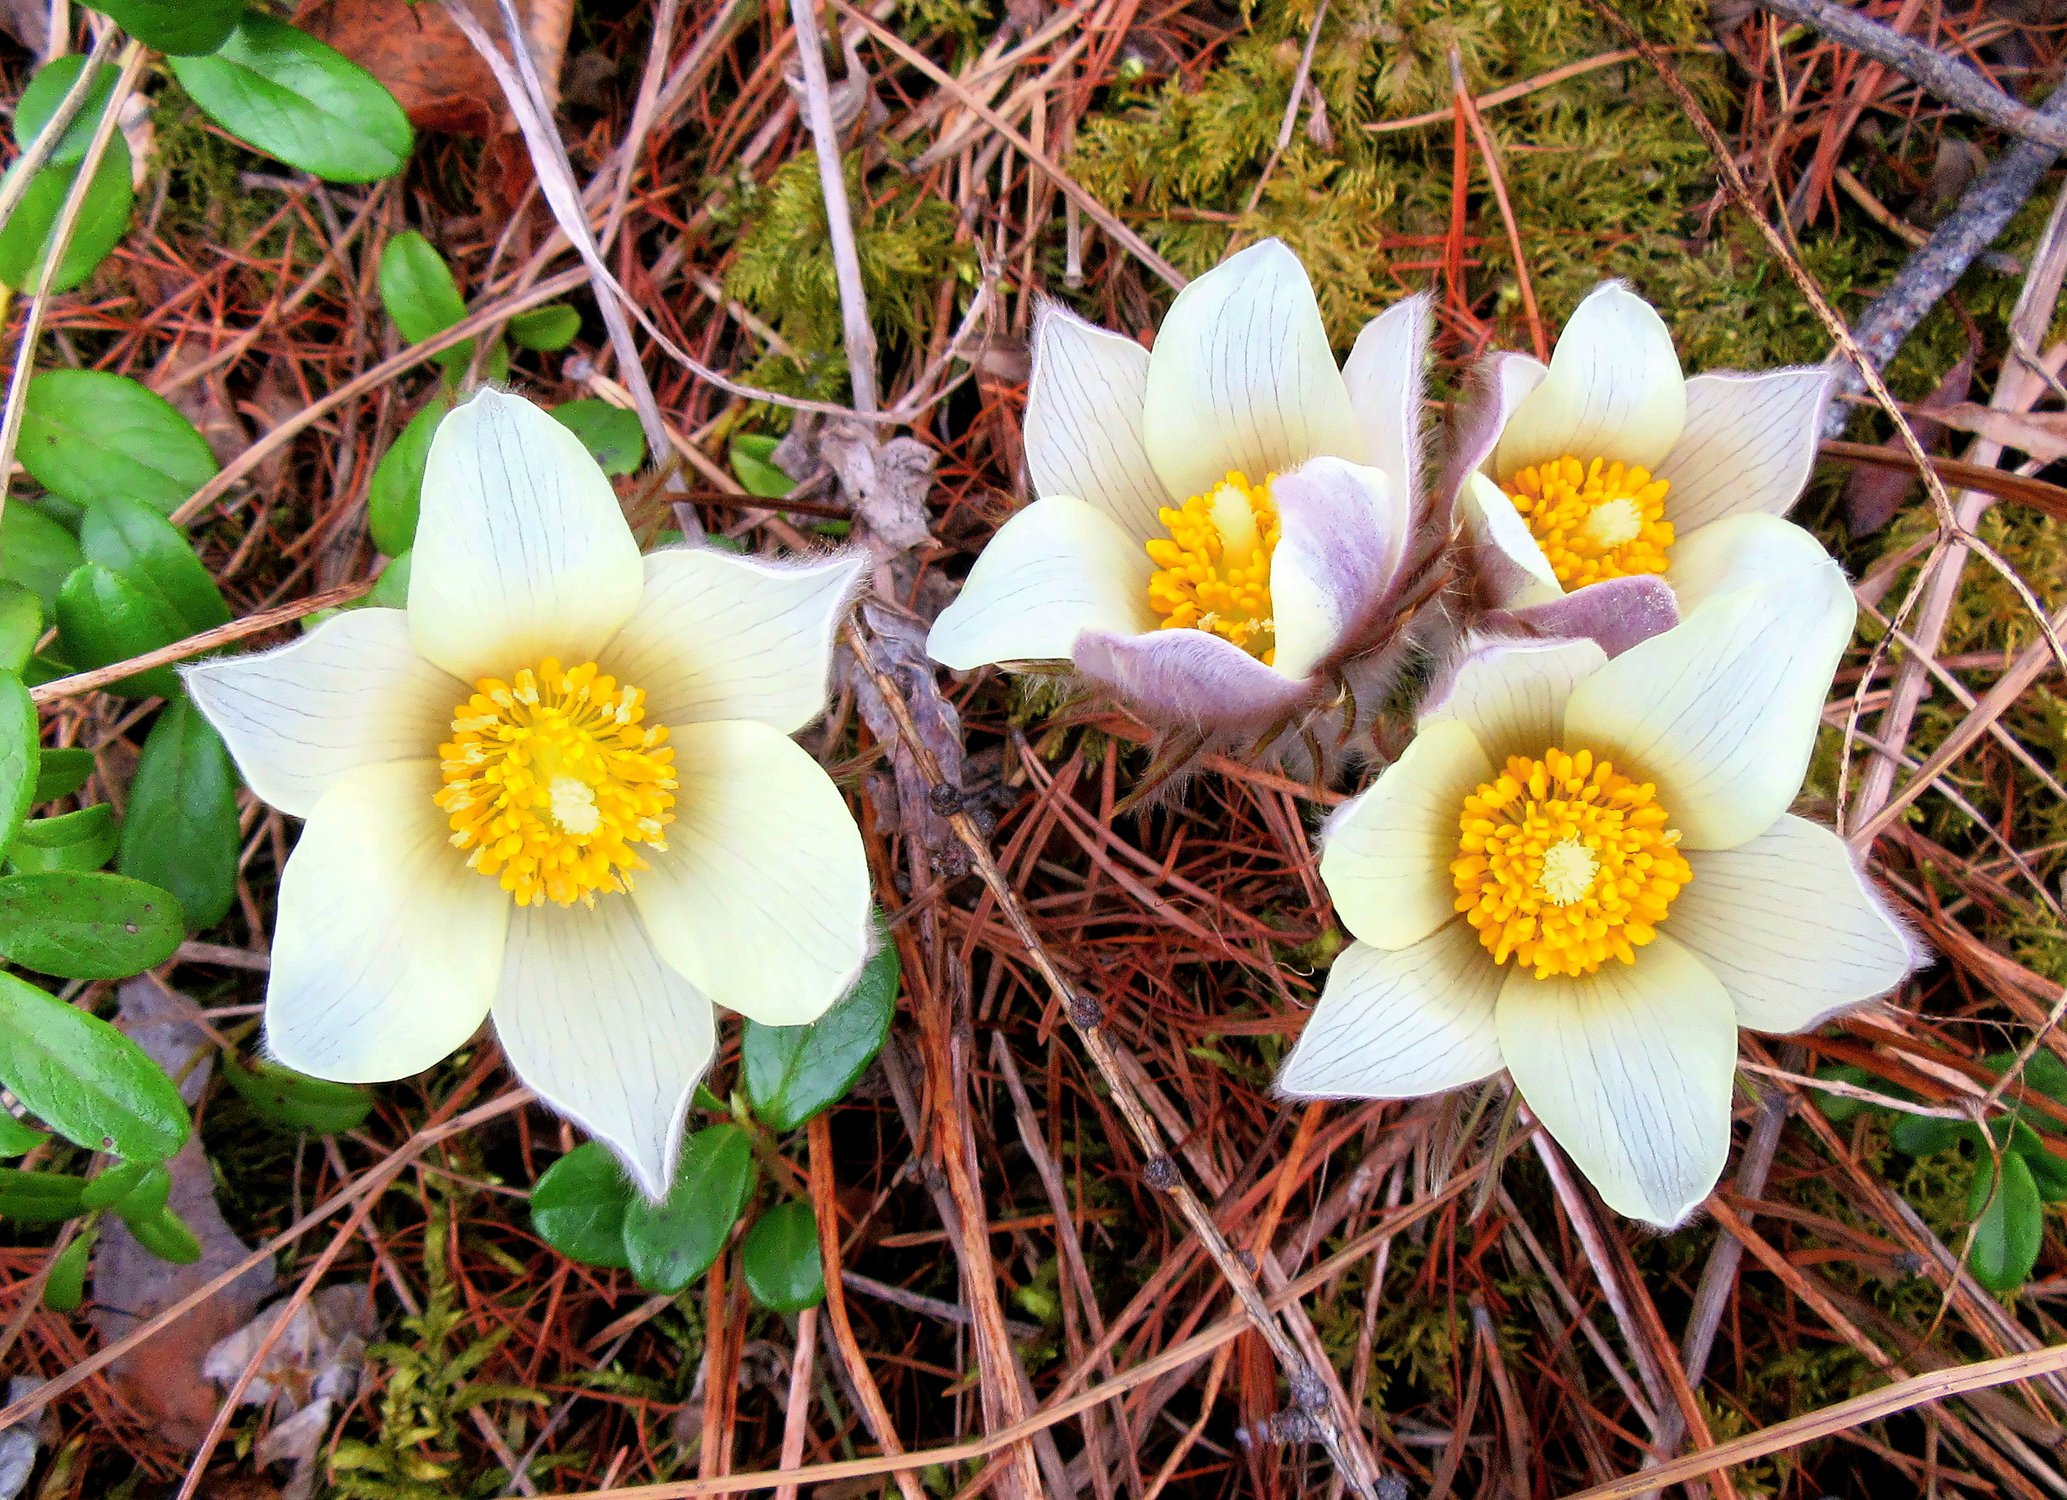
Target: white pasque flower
{"x": 559, "y": 788}
{"x": 1220, "y": 522}
{"x": 1608, "y": 464}
{"x": 1583, "y": 870}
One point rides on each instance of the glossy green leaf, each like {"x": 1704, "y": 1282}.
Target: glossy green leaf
{"x": 781, "y": 1260}
{"x": 546, "y": 329}
{"x": 39, "y": 1197}
{"x": 610, "y": 433}
{"x": 2048, "y": 1172}
{"x": 36, "y": 552}
{"x": 579, "y": 1204}
{"x": 1841, "y": 1108}
{"x": 181, "y": 829}
{"x": 103, "y": 220}
{"x": 102, "y": 619}
{"x": 88, "y": 435}
{"x": 19, "y": 756}
{"x": 1924, "y": 1135}
{"x": 673, "y": 1242}
{"x": 165, "y": 1235}
{"x": 21, "y": 623}
{"x": 147, "y": 1199}
{"x": 391, "y": 589}
{"x": 282, "y": 92}
{"x": 175, "y": 26}
{"x": 78, "y": 841}
{"x": 417, "y": 289}
{"x": 86, "y": 926}
{"x": 17, "y": 1139}
{"x": 753, "y": 462}
{"x": 65, "y": 1287}
{"x": 62, "y": 772}
{"x": 116, "y": 1183}
{"x": 133, "y": 540}
{"x": 46, "y": 91}
{"x": 395, "y": 491}
{"x": 2009, "y": 1224}
{"x": 793, "y": 1072}
{"x": 296, "y": 1100}
{"x": 2043, "y": 1073}
{"x": 84, "y": 1079}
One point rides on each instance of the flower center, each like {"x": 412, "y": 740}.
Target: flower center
{"x": 1594, "y": 520}
{"x": 1213, "y": 570}
{"x": 1563, "y": 862}
{"x": 551, "y": 779}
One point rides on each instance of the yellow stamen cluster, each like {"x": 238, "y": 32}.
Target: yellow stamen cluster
{"x": 1563, "y": 862}
{"x": 551, "y": 779}
{"x": 1213, "y": 569}
{"x": 1594, "y": 520}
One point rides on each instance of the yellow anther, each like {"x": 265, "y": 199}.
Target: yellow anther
{"x": 1563, "y": 863}
{"x": 1213, "y": 569}
{"x": 551, "y": 779}
{"x": 1594, "y": 520}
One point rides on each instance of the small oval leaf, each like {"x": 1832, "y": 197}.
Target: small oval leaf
{"x": 65, "y": 1287}
{"x": 673, "y": 1242}
{"x": 417, "y": 289}
{"x": 793, "y": 1072}
{"x": 85, "y": 1079}
{"x": 546, "y": 329}
{"x": 89, "y": 434}
{"x": 103, "y": 220}
{"x": 395, "y": 491}
{"x": 36, "y": 552}
{"x": 176, "y": 27}
{"x": 2009, "y": 1224}
{"x": 610, "y": 433}
{"x": 781, "y": 1259}
{"x": 103, "y": 619}
{"x": 165, "y": 1235}
{"x": 39, "y": 1197}
{"x": 181, "y": 829}
{"x": 86, "y": 926}
{"x": 282, "y": 92}
{"x": 578, "y": 1206}
{"x": 20, "y": 757}
{"x": 133, "y": 540}
{"x": 43, "y": 95}
{"x": 296, "y": 1100}
{"x": 62, "y": 771}
{"x": 78, "y": 841}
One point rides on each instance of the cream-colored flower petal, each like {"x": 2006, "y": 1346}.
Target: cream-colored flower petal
{"x": 1790, "y": 926}
{"x": 1083, "y": 421}
{"x": 1343, "y": 532}
{"x": 1400, "y": 1024}
{"x": 762, "y": 895}
{"x": 387, "y": 947}
{"x": 1242, "y": 377}
{"x": 350, "y": 693}
{"x": 1056, "y": 569}
{"x": 1747, "y": 551}
{"x": 603, "y": 1031}
{"x": 1629, "y": 1070}
{"x": 1385, "y": 857}
{"x": 1749, "y": 445}
{"x": 1510, "y": 557}
{"x": 1614, "y": 390}
{"x": 1384, "y": 373}
{"x": 1722, "y": 710}
{"x": 1512, "y": 696}
{"x": 720, "y": 636}
{"x": 521, "y": 550}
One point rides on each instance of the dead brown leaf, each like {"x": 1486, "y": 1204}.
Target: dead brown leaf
{"x": 426, "y": 62}
{"x": 2041, "y": 434}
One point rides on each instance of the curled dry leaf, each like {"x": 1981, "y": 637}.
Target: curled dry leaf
{"x": 309, "y": 1373}
{"x": 161, "y": 1378}
{"x": 2041, "y": 434}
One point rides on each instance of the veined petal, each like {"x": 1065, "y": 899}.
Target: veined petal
{"x": 1343, "y": 529}
{"x": 1400, "y": 1024}
{"x": 1384, "y": 376}
{"x": 1722, "y": 710}
{"x": 521, "y": 550}
{"x": 1615, "y": 614}
{"x": 387, "y": 947}
{"x": 1385, "y": 856}
{"x": 720, "y": 636}
{"x": 1747, "y": 551}
{"x": 761, "y": 897}
{"x": 350, "y": 693}
{"x": 1629, "y": 1070}
{"x": 1055, "y": 570}
{"x": 1083, "y": 421}
{"x": 1242, "y": 377}
{"x": 603, "y": 1031}
{"x": 1614, "y": 390}
{"x": 1749, "y": 445}
{"x": 1190, "y": 677}
{"x": 1505, "y": 552}
{"x": 1512, "y": 696}
{"x": 1790, "y": 926}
